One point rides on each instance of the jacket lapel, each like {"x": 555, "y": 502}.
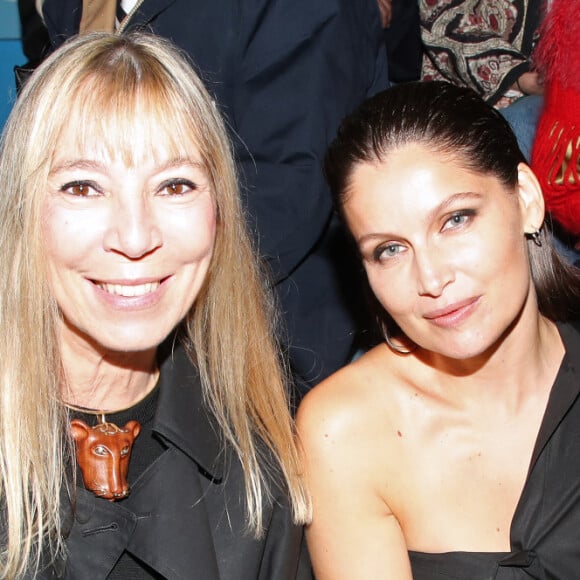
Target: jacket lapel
{"x": 98, "y": 537}
{"x": 182, "y": 418}
{"x": 173, "y": 532}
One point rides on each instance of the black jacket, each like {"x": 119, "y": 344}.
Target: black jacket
{"x": 185, "y": 516}
{"x": 285, "y": 73}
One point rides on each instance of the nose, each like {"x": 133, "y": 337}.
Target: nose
{"x": 118, "y": 485}
{"x": 133, "y": 229}
{"x": 434, "y": 271}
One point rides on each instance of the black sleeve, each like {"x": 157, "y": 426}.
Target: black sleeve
{"x": 285, "y": 555}
{"x": 62, "y": 19}
{"x": 34, "y": 35}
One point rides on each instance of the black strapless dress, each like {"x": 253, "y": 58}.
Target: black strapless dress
{"x": 460, "y": 566}
{"x": 545, "y": 530}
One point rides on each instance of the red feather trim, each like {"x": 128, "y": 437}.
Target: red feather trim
{"x": 558, "y": 52}
{"x": 556, "y": 156}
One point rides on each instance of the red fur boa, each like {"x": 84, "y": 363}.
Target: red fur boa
{"x": 556, "y": 152}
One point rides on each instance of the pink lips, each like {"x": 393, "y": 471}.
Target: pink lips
{"x": 453, "y": 314}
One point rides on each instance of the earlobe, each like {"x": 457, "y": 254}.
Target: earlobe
{"x": 531, "y": 199}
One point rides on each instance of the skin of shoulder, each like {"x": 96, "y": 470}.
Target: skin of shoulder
{"x": 343, "y": 425}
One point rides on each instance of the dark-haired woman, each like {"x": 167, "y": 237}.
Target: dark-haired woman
{"x": 451, "y": 449}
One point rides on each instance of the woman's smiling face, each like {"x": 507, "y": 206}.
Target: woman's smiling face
{"x": 128, "y": 242}
{"x": 443, "y": 248}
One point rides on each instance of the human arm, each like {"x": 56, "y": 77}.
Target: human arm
{"x": 353, "y": 534}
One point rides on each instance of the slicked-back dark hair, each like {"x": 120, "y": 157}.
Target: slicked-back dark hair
{"x": 454, "y": 121}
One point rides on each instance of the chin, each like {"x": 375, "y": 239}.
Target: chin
{"x": 464, "y": 354}
{"x": 134, "y": 344}
{"x": 106, "y": 335}
{"x": 464, "y": 348}
{"x": 129, "y": 340}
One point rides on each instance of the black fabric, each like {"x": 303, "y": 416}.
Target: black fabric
{"x": 120, "y": 12}
{"x": 544, "y": 531}
{"x": 284, "y": 73}
{"x": 403, "y": 41}
{"x": 185, "y": 516}
{"x": 130, "y": 568}
{"x": 455, "y": 565}
{"x": 22, "y": 74}
{"x": 146, "y": 449}
{"x": 35, "y": 41}
{"x": 33, "y": 32}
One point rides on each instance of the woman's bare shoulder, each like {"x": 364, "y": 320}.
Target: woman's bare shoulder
{"x": 352, "y": 397}
{"x": 342, "y": 425}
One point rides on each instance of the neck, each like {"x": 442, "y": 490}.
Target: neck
{"x": 106, "y": 381}
{"x": 525, "y": 361}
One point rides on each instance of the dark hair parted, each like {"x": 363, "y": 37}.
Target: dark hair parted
{"x": 453, "y": 121}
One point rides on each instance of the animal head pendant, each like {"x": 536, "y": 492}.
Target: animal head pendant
{"x": 103, "y": 454}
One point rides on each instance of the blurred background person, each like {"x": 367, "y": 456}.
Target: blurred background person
{"x": 482, "y": 44}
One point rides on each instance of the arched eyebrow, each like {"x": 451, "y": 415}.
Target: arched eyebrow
{"x": 452, "y": 200}
{"x": 182, "y": 161}
{"x": 88, "y": 164}
{"x": 433, "y": 213}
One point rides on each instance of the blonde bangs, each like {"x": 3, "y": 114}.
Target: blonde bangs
{"x": 123, "y": 100}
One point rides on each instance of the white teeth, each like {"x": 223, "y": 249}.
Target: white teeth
{"x": 130, "y": 291}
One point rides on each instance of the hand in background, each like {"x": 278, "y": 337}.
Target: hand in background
{"x": 386, "y": 9}
{"x": 530, "y": 83}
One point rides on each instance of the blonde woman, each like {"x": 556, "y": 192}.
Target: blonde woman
{"x": 144, "y": 426}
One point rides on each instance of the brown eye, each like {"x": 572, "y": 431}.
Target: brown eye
{"x": 125, "y": 451}
{"x": 177, "y": 187}
{"x": 80, "y": 188}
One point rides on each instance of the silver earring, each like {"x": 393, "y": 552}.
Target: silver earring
{"x": 535, "y": 237}
{"x": 395, "y": 347}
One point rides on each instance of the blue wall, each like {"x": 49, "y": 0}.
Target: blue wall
{"x": 10, "y": 55}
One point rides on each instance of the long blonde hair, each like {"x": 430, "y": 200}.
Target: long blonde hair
{"x": 98, "y": 82}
